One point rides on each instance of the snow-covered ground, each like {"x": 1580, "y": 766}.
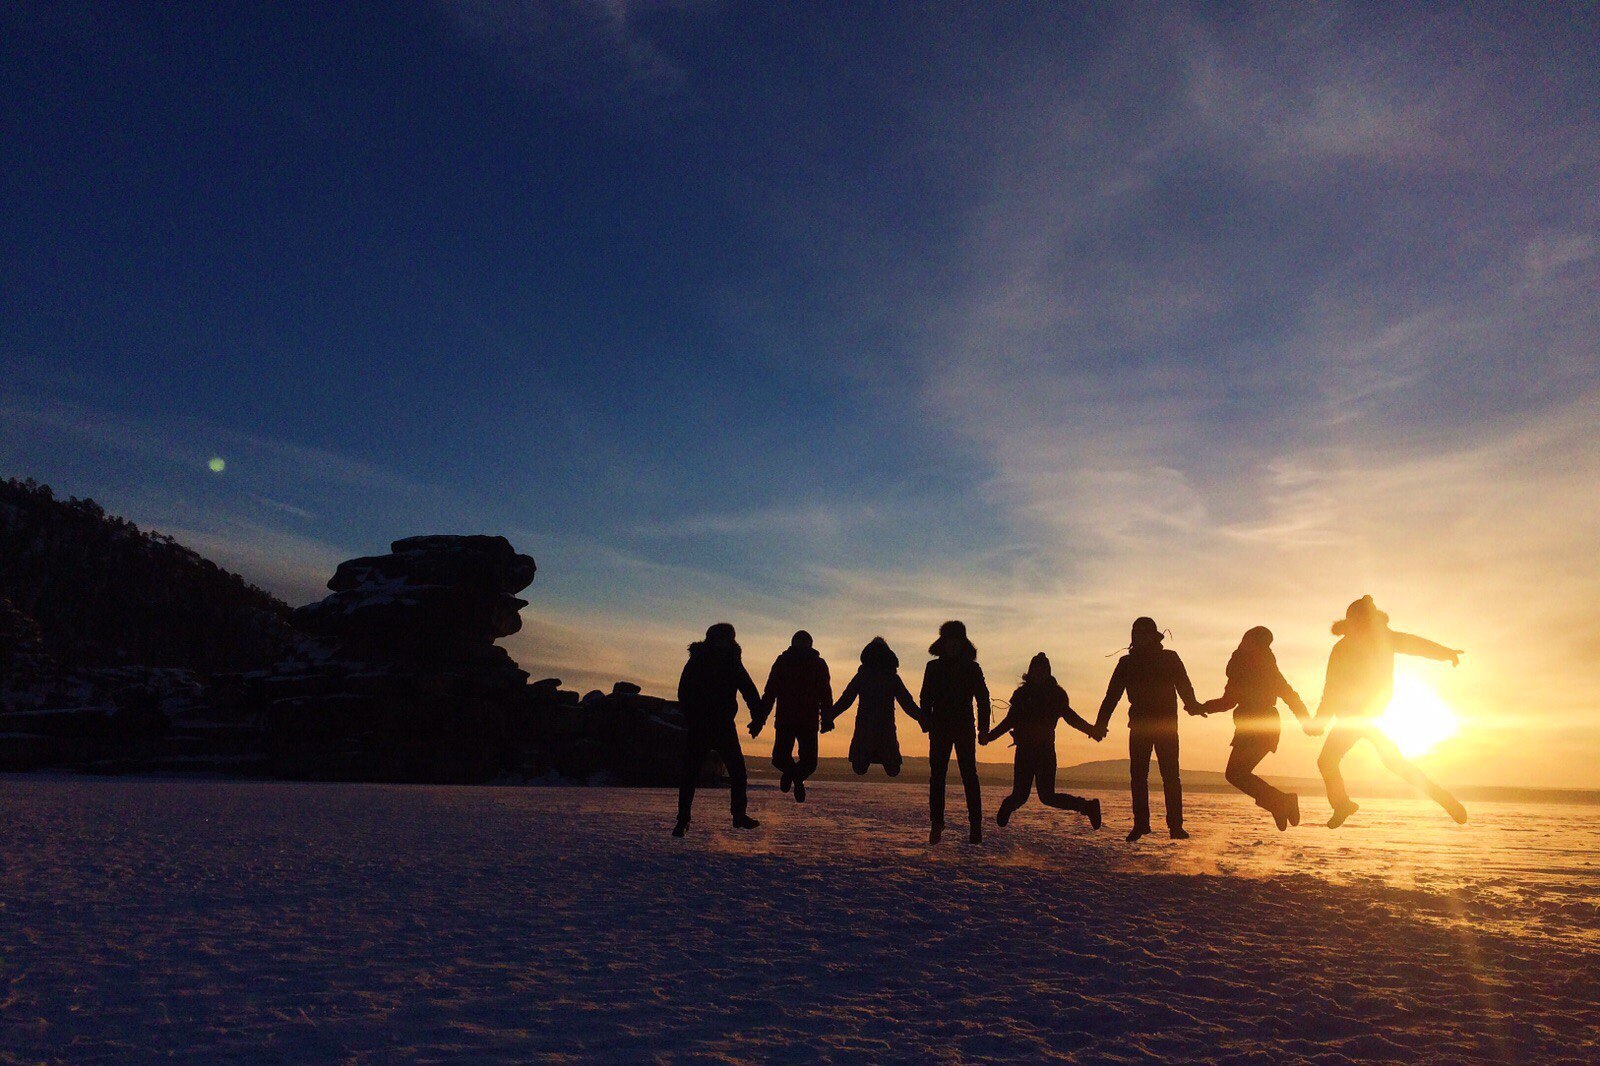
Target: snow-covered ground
{"x": 211, "y": 920}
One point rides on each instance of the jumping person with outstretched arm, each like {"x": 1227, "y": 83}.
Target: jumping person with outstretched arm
{"x": 878, "y": 687}
{"x": 1037, "y": 705}
{"x": 1255, "y": 685}
{"x": 1154, "y": 679}
{"x": 952, "y": 685}
{"x": 713, "y": 679}
{"x": 800, "y": 688}
{"x": 1359, "y": 686}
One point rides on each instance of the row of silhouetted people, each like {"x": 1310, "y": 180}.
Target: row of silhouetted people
{"x": 953, "y": 708}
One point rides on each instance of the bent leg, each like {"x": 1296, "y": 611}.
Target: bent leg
{"x": 1242, "y": 761}
{"x": 783, "y": 749}
{"x": 1045, "y": 776}
{"x": 1402, "y": 767}
{"x": 1171, "y": 785}
{"x": 806, "y": 764}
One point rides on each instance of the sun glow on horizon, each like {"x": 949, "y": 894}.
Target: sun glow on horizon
{"x": 1417, "y": 719}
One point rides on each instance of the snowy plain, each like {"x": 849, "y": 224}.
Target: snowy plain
{"x": 215, "y": 921}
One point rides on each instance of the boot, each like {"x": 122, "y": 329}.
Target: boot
{"x": 1451, "y": 805}
{"x": 799, "y": 791}
{"x": 785, "y": 782}
{"x": 1003, "y": 815}
{"x": 1341, "y": 813}
{"x": 1179, "y": 833}
{"x": 744, "y": 821}
{"x": 1294, "y": 808}
{"x": 1092, "y": 809}
{"x": 934, "y": 833}
{"x": 1138, "y": 831}
{"x": 680, "y": 829}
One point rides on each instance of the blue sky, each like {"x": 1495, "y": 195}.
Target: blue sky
{"x": 851, "y": 317}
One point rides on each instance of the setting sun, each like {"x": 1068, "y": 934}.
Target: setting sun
{"x": 1417, "y": 719}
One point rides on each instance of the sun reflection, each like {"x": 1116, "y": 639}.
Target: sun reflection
{"x": 1417, "y": 719}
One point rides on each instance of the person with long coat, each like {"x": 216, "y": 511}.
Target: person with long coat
{"x": 952, "y": 687}
{"x": 1255, "y": 685}
{"x": 1359, "y": 686}
{"x": 1154, "y": 679}
{"x": 877, "y": 687}
{"x": 708, "y": 691}
{"x": 1036, "y": 706}
{"x": 800, "y": 688}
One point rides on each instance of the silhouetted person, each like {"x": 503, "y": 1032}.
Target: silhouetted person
{"x": 878, "y": 687}
{"x": 952, "y": 684}
{"x": 1037, "y": 705}
{"x": 1255, "y": 685}
{"x": 800, "y": 687}
{"x": 1154, "y": 679}
{"x": 712, "y": 680}
{"x": 1359, "y": 686}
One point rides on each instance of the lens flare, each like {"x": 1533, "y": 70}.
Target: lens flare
{"x": 1417, "y": 720}
{"x": 217, "y": 465}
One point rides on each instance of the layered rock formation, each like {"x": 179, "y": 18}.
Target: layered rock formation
{"x": 400, "y": 679}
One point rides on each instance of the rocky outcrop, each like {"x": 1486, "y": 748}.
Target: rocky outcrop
{"x": 400, "y": 678}
{"x": 623, "y": 737}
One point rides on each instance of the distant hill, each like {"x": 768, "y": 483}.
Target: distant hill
{"x": 100, "y": 592}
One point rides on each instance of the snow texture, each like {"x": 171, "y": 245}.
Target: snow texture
{"x": 216, "y": 920}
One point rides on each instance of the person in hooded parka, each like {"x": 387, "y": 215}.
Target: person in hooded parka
{"x": 876, "y": 687}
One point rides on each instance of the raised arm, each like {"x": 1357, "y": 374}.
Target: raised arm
{"x": 825, "y": 696}
{"x": 1409, "y": 644}
{"x": 1108, "y": 706}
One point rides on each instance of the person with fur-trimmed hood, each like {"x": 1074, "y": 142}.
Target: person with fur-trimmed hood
{"x": 952, "y": 687}
{"x": 1154, "y": 679}
{"x": 1037, "y": 705}
{"x": 1359, "y": 686}
{"x": 708, "y": 691}
{"x": 878, "y": 687}
{"x": 800, "y": 688}
{"x": 1255, "y": 685}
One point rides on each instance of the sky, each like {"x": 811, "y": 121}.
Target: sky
{"x": 848, "y": 317}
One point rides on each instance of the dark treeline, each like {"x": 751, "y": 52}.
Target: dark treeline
{"x": 101, "y": 592}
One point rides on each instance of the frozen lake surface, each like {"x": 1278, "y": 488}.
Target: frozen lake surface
{"x": 209, "y": 920}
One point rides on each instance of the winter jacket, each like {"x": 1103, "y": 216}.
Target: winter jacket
{"x": 712, "y": 680}
{"x": 951, "y": 687}
{"x": 1036, "y": 707}
{"x": 1154, "y": 680}
{"x": 800, "y": 687}
{"x": 1255, "y": 685}
{"x": 1361, "y": 670}
{"x": 875, "y": 738}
